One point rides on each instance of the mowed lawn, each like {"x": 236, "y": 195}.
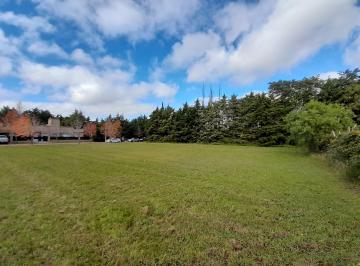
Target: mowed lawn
{"x": 139, "y": 203}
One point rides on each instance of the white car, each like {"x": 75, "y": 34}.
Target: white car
{"x": 4, "y": 139}
{"x": 113, "y": 140}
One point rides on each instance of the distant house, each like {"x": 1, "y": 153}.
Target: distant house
{"x": 53, "y": 129}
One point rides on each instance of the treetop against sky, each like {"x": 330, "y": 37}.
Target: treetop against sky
{"x": 130, "y": 56}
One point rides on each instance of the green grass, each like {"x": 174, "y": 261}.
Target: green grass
{"x": 174, "y": 204}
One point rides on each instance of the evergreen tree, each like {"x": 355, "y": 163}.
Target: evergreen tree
{"x": 154, "y": 125}
{"x": 255, "y": 118}
{"x": 4, "y": 110}
{"x": 211, "y": 120}
{"x": 344, "y": 90}
{"x": 295, "y": 93}
{"x": 42, "y": 116}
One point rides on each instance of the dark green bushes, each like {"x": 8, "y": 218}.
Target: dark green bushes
{"x": 346, "y": 149}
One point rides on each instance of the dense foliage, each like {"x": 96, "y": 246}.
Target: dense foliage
{"x": 41, "y": 116}
{"x": 75, "y": 120}
{"x": 313, "y": 124}
{"x": 346, "y": 149}
{"x": 261, "y": 118}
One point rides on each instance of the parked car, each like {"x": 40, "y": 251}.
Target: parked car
{"x": 136, "y": 139}
{"x": 4, "y": 139}
{"x": 113, "y": 140}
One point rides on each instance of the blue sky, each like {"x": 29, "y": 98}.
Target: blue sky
{"x": 129, "y": 56}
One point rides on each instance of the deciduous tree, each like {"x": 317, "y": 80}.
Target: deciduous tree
{"x": 9, "y": 119}
{"x": 90, "y": 129}
{"x": 23, "y": 126}
{"x": 312, "y": 125}
{"x": 111, "y": 128}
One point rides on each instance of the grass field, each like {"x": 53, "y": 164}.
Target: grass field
{"x": 144, "y": 203}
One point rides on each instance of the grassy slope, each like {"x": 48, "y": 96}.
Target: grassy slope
{"x": 172, "y": 203}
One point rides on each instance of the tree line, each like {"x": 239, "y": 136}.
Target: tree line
{"x": 257, "y": 118}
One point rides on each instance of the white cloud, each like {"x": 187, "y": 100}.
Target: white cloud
{"x": 352, "y": 54}
{"x": 159, "y": 89}
{"x": 93, "y": 89}
{"x": 13, "y": 46}
{"x": 157, "y": 73}
{"x": 108, "y": 61}
{"x": 294, "y": 31}
{"x": 115, "y": 18}
{"x": 8, "y": 46}
{"x": 81, "y": 57}
{"x": 172, "y": 16}
{"x": 137, "y": 20}
{"x": 264, "y": 39}
{"x": 31, "y": 90}
{"x": 163, "y": 90}
{"x": 192, "y": 47}
{"x": 239, "y": 18}
{"x": 329, "y": 75}
{"x": 42, "y": 48}
{"x": 80, "y": 11}
{"x": 8, "y": 52}
{"x": 211, "y": 67}
{"x": 7, "y": 94}
{"x": 77, "y": 84}
{"x": 27, "y": 23}
{"x": 6, "y": 66}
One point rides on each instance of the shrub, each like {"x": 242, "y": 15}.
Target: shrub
{"x": 346, "y": 149}
{"x": 313, "y": 123}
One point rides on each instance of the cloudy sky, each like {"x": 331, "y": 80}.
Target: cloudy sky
{"x": 128, "y": 56}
